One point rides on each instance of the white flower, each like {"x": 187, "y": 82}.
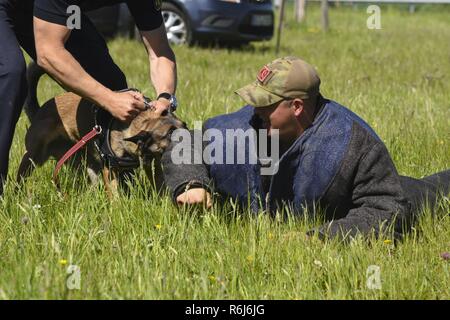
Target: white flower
{"x": 318, "y": 263}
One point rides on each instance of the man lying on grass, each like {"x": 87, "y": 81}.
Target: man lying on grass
{"x": 328, "y": 157}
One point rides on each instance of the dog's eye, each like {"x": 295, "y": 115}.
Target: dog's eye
{"x": 165, "y": 113}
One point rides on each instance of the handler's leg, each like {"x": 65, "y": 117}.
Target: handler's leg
{"x": 13, "y": 88}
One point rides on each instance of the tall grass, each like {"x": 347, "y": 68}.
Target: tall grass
{"x": 142, "y": 246}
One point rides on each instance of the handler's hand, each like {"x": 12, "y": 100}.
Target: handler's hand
{"x": 160, "y": 106}
{"x": 125, "y": 106}
{"x": 195, "y": 196}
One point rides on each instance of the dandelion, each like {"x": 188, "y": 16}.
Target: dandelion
{"x": 158, "y": 227}
{"x": 212, "y": 279}
{"x": 313, "y": 30}
{"x": 250, "y": 259}
{"x": 387, "y": 241}
{"x": 63, "y": 262}
{"x": 270, "y": 236}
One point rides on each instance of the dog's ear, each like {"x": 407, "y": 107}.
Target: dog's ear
{"x": 140, "y": 138}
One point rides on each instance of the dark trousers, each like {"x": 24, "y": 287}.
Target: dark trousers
{"x": 16, "y": 31}
{"x": 425, "y": 192}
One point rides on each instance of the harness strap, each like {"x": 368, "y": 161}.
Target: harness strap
{"x": 80, "y": 144}
{"x": 110, "y": 160}
{"x": 103, "y": 146}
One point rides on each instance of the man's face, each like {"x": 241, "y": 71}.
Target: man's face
{"x": 280, "y": 116}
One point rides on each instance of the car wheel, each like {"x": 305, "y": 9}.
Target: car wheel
{"x": 177, "y": 25}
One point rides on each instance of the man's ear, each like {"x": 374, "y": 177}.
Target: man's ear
{"x": 298, "y": 106}
{"x": 140, "y": 138}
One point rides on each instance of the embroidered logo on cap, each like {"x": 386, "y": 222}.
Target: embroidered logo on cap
{"x": 264, "y": 74}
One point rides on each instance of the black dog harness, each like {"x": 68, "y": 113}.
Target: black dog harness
{"x": 101, "y": 134}
{"x": 102, "y": 143}
{"x": 105, "y": 121}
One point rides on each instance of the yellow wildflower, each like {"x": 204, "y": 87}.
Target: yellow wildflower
{"x": 313, "y": 30}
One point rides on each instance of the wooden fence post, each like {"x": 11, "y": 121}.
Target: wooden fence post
{"x": 280, "y": 26}
{"x": 325, "y": 21}
{"x": 300, "y": 11}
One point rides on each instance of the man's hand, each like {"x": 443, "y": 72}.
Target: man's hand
{"x": 160, "y": 105}
{"x": 195, "y": 196}
{"x": 125, "y": 106}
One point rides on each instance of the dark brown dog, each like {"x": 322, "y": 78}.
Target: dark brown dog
{"x": 64, "y": 120}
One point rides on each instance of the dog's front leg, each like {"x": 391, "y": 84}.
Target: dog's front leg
{"x": 26, "y": 167}
{"x": 110, "y": 181}
{"x": 114, "y": 183}
{"x": 93, "y": 176}
{"x": 94, "y": 166}
{"x": 106, "y": 181}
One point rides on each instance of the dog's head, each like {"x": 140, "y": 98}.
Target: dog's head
{"x": 151, "y": 132}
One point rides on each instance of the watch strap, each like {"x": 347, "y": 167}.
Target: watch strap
{"x": 165, "y": 95}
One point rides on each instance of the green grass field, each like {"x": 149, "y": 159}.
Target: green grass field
{"x": 143, "y": 247}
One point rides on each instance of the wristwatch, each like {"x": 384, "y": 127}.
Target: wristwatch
{"x": 173, "y": 103}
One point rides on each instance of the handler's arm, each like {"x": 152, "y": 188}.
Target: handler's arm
{"x": 163, "y": 68}
{"x": 53, "y": 57}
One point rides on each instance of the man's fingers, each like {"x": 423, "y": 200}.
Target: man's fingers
{"x": 208, "y": 201}
{"x": 134, "y": 113}
{"x": 137, "y": 95}
{"x": 195, "y": 197}
{"x": 129, "y": 118}
{"x": 138, "y": 102}
{"x": 140, "y": 105}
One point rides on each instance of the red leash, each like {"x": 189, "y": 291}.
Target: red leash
{"x": 80, "y": 144}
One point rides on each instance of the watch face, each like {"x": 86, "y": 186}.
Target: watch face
{"x": 173, "y": 103}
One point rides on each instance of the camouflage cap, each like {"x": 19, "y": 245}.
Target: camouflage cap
{"x": 283, "y": 78}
